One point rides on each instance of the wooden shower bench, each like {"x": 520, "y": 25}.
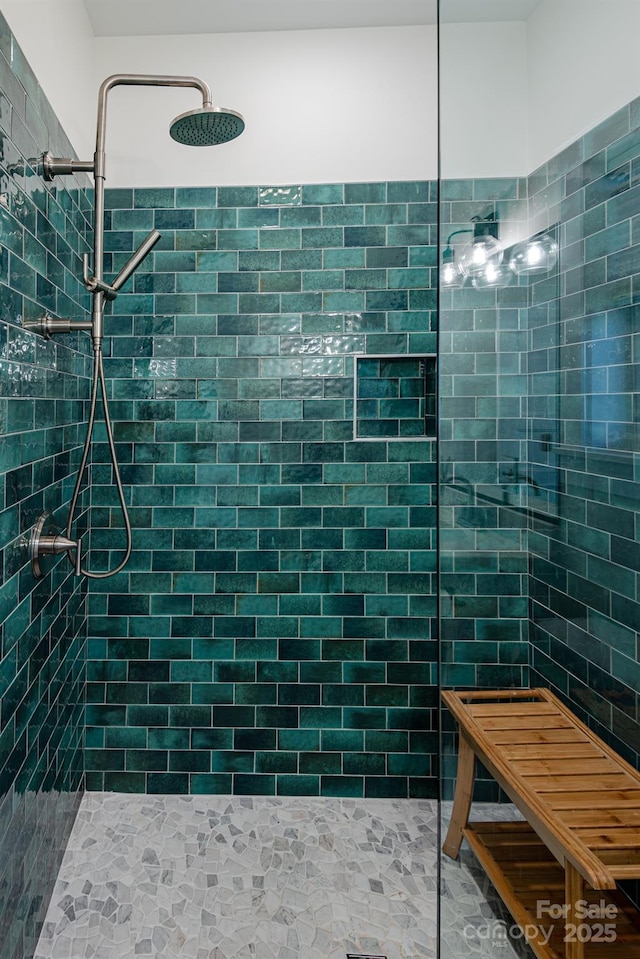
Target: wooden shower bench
{"x": 557, "y": 871}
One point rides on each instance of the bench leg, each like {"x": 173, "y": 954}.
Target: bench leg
{"x": 574, "y": 890}
{"x": 462, "y": 798}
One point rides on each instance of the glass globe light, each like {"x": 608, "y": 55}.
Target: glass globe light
{"x": 537, "y": 255}
{"x": 451, "y": 275}
{"x": 494, "y": 275}
{"x": 485, "y": 249}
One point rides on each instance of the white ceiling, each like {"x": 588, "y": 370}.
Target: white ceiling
{"x": 469, "y": 11}
{"x": 122, "y": 18}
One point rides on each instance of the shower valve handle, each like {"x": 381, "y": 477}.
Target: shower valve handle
{"x": 50, "y": 543}
{"x": 61, "y": 544}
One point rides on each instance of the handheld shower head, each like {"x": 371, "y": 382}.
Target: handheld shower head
{"x": 207, "y": 126}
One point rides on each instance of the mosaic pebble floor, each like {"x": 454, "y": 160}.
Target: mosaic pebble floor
{"x": 215, "y": 877}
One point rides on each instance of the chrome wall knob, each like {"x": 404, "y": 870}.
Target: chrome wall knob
{"x": 46, "y": 541}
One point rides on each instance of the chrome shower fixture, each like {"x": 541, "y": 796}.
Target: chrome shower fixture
{"x": 205, "y": 126}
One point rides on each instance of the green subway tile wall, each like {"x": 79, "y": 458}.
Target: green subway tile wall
{"x": 584, "y": 458}
{"x": 274, "y": 630}
{"x": 43, "y": 387}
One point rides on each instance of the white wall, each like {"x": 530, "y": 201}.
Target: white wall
{"x": 515, "y": 94}
{"x": 350, "y": 104}
{"x": 584, "y": 64}
{"x": 57, "y": 40}
{"x": 484, "y": 94}
{"x": 320, "y": 106}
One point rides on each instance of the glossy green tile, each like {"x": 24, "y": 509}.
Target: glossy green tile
{"x": 348, "y": 786}
{"x": 263, "y": 485}
{"x": 149, "y": 197}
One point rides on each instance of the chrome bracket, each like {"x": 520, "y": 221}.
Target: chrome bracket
{"x": 62, "y": 166}
{"x": 92, "y": 284}
{"x": 48, "y": 325}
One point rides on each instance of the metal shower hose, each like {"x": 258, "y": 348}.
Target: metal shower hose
{"x": 98, "y": 377}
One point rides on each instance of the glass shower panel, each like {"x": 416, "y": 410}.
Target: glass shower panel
{"x": 538, "y": 434}
{"x": 483, "y": 441}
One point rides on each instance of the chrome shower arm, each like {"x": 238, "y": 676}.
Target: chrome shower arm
{"x": 142, "y": 80}
{"x": 62, "y": 166}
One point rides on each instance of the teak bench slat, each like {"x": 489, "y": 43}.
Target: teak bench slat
{"x": 524, "y": 723}
{"x": 581, "y": 803}
{"x": 611, "y": 816}
{"x": 576, "y": 783}
{"x": 514, "y": 736}
{"x": 552, "y": 751}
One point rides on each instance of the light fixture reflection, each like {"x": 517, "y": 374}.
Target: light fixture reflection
{"x": 494, "y": 275}
{"x": 479, "y": 254}
{"x": 537, "y": 255}
{"x": 485, "y": 263}
{"x": 485, "y": 248}
{"x": 451, "y": 275}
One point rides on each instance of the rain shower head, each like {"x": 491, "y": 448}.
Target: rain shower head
{"x": 207, "y": 126}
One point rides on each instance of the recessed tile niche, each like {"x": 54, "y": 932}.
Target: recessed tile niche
{"x": 395, "y": 397}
